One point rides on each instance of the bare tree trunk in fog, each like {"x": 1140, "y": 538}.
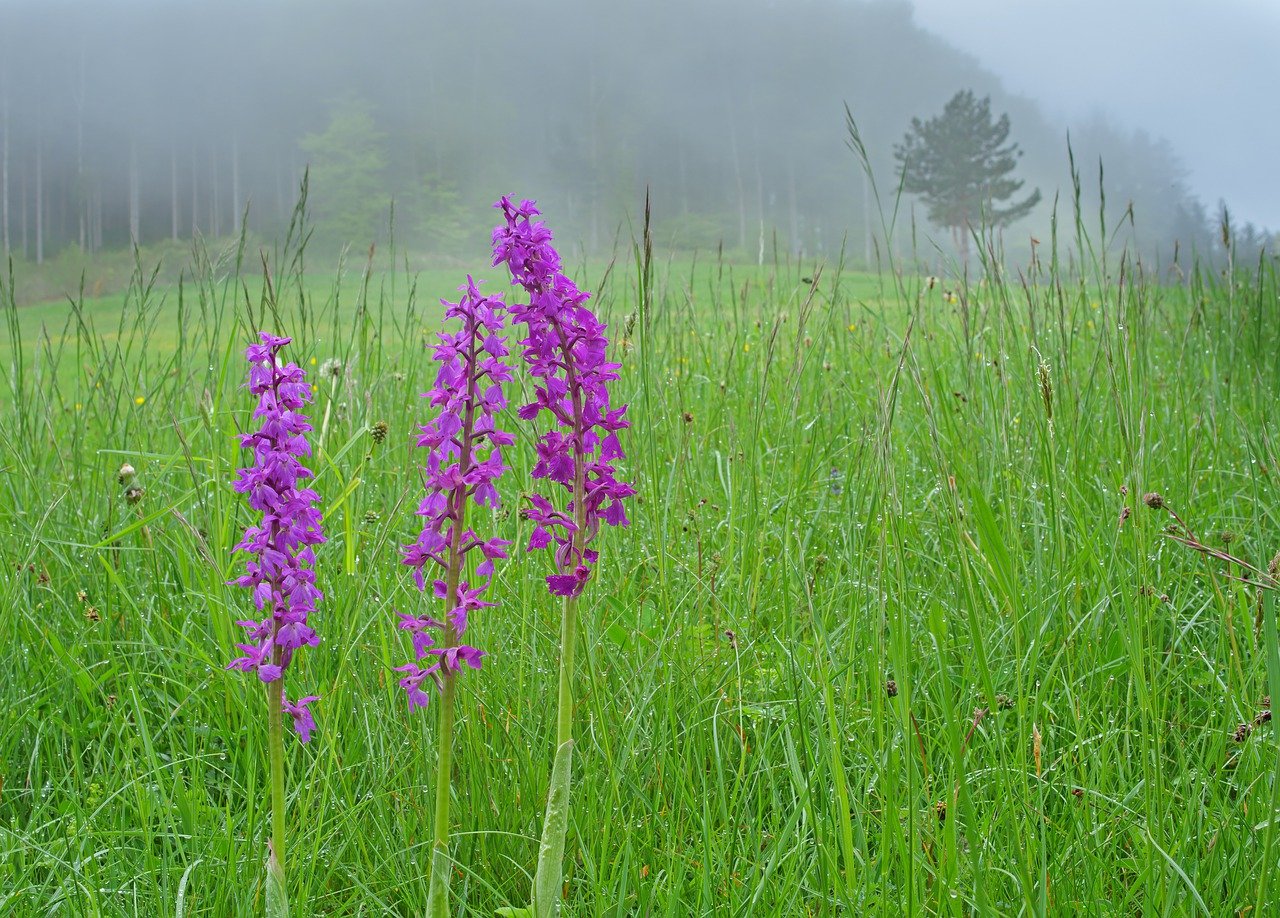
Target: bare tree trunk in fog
{"x": 39, "y": 195}
{"x": 866, "y": 221}
{"x": 796, "y": 247}
{"x": 25, "y": 180}
{"x": 755, "y": 136}
{"x": 173, "y": 191}
{"x": 195, "y": 193}
{"x": 760, "y": 208}
{"x": 683, "y": 174}
{"x": 215, "y": 210}
{"x": 594, "y": 107}
{"x": 96, "y": 234}
{"x": 737, "y": 175}
{"x": 4, "y": 169}
{"x": 82, "y": 194}
{"x": 237, "y": 203}
{"x": 135, "y": 220}
{"x": 280, "y": 212}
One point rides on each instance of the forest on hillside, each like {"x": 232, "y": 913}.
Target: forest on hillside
{"x": 731, "y": 112}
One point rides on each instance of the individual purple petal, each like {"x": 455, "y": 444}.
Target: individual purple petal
{"x": 303, "y": 722}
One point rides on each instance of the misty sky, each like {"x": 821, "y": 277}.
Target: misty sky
{"x": 1203, "y": 73}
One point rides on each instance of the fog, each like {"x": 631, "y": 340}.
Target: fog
{"x": 154, "y": 120}
{"x": 1203, "y": 75}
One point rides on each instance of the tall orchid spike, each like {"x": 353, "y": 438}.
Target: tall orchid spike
{"x": 463, "y": 460}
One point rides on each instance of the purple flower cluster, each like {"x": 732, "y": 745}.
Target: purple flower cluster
{"x": 565, "y": 353}
{"x": 463, "y": 461}
{"x": 280, "y": 573}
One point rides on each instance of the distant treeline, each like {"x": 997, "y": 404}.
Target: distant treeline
{"x": 156, "y": 119}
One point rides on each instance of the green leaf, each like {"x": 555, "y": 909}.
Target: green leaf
{"x": 181, "y": 907}
{"x": 438, "y": 898}
{"x": 547, "y": 879}
{"x": 277, "y": 895}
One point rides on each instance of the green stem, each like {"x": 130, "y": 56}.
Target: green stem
{"x": 438, "y": 892}
{"x": 277, "y": 897}
{"x": 547, "y": 879}
{"x": 441, "y": 866}
{"x": 568, "y": 633}
{"x": 438, "y": 895}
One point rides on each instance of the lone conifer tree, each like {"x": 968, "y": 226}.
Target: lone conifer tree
{"x": 960, "y": 164}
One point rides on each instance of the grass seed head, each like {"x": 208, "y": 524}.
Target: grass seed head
{"x": 1046, "y": 389}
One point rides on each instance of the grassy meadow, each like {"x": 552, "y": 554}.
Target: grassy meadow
{"x": 892, "y": 631}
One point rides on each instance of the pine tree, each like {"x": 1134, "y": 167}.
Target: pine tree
{"x": 960, "y": 163}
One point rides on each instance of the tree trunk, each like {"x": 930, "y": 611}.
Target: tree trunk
{"x": 760, "y": 208}
{"x": 39, "y": 198}
{"x": 737, "y": 175}
{"x": 237, "y": 203}
{"x": 214, "y": 209}
{"x": 82, "y": 193}
{"x": 135, "y": 235}
{"x": 25, "y": 182}
{"x": 173, "y": 191}
{"x": 4, "y": 170}
{"x": 596, "y": 171}
{"x": 280, "y": 211}
{"x": 866, "y": 221}
{"x": 195, "y": 193}
{"x": 797, "y": 248}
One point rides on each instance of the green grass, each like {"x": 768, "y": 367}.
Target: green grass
{"x": 841, "y": 484}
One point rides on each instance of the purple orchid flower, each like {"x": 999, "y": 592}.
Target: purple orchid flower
{"x": 280, "y": 573}
{"x": 565, "y": 353}
{"x": 463, "y": 461}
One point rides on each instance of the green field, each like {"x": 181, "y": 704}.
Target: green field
{"x": 892, "y": 630}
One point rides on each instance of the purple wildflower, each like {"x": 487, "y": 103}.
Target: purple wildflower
{"x": 303, "y": 722}
{"x": 463, "y": 460}
{"x": 565, "y": 353}
{"x": 280, "y": 573}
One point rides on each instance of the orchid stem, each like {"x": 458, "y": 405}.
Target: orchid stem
{"x": 438, "y": 895}
{"x": 548, "y": 877}
{"x": 568, "y": 633}
{"x": 275, "y": 744}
